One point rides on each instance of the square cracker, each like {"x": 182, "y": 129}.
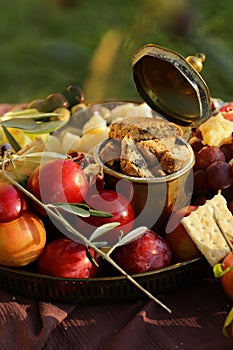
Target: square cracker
{"x": 223, "y": 216}
{"x": 206, "y": 226}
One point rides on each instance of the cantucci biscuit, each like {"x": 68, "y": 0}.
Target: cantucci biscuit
{"x": 157, "y": 144}
{"x": 206, "y": 232}
{"x": 131, "y": 160}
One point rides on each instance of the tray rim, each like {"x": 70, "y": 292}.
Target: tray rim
{"x": 24, "y": 273}
{"x": 101, "y": 290}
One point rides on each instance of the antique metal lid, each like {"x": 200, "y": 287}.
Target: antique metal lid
{"x": 171, "y": 85}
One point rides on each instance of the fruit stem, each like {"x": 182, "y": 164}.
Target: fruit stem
{"x": 75, "y": 234}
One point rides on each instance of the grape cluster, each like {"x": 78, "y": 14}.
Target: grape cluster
{"x": 213, "y": 169}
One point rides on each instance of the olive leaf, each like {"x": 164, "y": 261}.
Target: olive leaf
{"x": 101, "y": 230}
{"x": 30, "y": 113}
{"x": 102, "y": 214}
{"x": 31, "y": 126}
{"x": 23, "y": 112}
{"x": 227, "y": 324}
{"x": 14, "y": 143}
{"x": 132, "y": 235}
{"x": 20, "y": 123}
{"x": 80, "y": 209}
{"x": 71, "y": 208}
{"x": 90, "y": 257}
{"x": 48, "y": 127}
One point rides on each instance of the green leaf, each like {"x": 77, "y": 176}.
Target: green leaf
{"x": 227, "y": 324}
{"x": 24, "y": 112}
{"x": 48, "y": 127}
{"x": 80, "y": 209}
{"x": 219, "y": 272}
{"x": 20, "y": 123}
{"x": 72, "y": 208}
{"x": 102, "y": 230}
{"x": 132, "y": 235}
{"x": 16, "y": 146}
{"x": 102, "y": 214}
{"x": 30, "y": 113}
{"x": 30, "y": 126}
{"x": 90, "y": 257}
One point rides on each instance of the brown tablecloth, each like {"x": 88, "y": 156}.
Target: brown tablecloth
{"x": 198, "y": 314}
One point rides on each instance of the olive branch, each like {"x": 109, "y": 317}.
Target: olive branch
{"x": 84, "y": 210}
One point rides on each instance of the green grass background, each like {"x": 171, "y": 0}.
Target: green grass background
{"x": 46, "y": 45}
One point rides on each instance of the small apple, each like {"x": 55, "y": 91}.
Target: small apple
{"x": 115, "y": 204}
{"x": 64, "y": 257}
{"x": 12, "y": 202}
{"x": 147, "y": 252}
{"x": 21, "y": 240}
{"x": 182, "y": 246}
{"x": 58, "y": 180}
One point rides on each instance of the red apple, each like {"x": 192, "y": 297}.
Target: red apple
{"x": 12, "y": 202}
{"x": 182, "y": 246}
{"x": 58, "y": 180}
{"x": 146, "y": 253}
{"x": 115, "y": 204}
{"x": 65, "y": 258}
{"x": 21, "y": 240}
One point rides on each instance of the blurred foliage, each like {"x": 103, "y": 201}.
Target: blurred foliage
{"x": 49, "y": 44}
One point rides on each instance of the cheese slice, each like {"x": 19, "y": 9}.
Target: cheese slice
{"x": 217, "y": 131}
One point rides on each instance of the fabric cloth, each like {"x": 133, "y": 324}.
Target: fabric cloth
{"x": 196, "y": 321}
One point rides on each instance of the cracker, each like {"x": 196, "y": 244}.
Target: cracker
{"x": 204, "y": 227}
{"x": 223, "y": 216}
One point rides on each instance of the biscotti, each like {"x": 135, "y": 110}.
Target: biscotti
{"x": 144, "y": 147}
{"x": 143, "y": 128}
{"x": 132, "y": 161}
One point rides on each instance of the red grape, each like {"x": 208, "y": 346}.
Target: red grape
{"x": 200, "y": 187}
{"x": 196, "y": 143}
{"x": 219, "y": 175}
{"x": 207, "y": 155}
{"x": 227, "y": 149}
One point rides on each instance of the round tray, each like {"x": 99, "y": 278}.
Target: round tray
{"x": 102, "y": 289}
